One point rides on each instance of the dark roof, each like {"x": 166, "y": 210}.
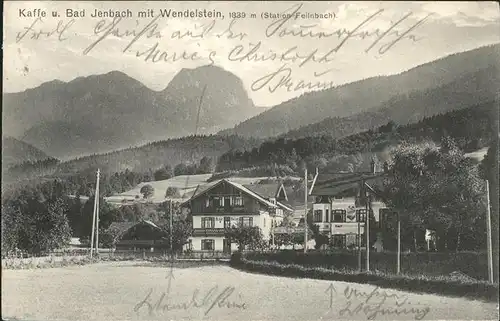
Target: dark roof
{"x": 332, "y": 184}
{"x": 123, "y": 227}
{"x": 265, "y": 190}
{"x": 200, "y": 189}
{"x": 326, "y": 190}
{"x": 203, "y": 189}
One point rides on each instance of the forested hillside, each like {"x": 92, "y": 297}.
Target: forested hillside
{"x": 143, "y": 159}
{"x": 472, "y": 128}
{"x": 438, "y": 86}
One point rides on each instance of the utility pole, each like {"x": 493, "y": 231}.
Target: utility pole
{"x": 97, "y": 214}
{"x": 93, "y": 229}
{"x": 367, "y": 229}
{"x": 399, "y": 244}
{"x": 488, "y": 233}
{"x": 96, "y": 209}
{"x": 359, "y": 228}
{"x": 272, "y": 232}
{"x": 305, "y": 211}
{"x": 171, "y": 230}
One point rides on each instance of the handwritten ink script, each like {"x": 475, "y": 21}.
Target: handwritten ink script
{"x": 212, "y": 299}
{"x": 374, "y": 303}
{"x": 294, "y": 39}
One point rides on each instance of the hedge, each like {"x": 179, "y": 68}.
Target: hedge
{"x": 422, "y": 284}
{"x": 473, "y": 264}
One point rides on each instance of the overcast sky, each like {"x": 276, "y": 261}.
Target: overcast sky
{"x": 435, "y": 29}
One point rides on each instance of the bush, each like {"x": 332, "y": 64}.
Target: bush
{"x": 424, "y": 284}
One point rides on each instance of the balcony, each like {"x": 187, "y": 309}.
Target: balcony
{"x": 227, "y": 210}
{"x": 322, "y": 226}
{"x": 208, "y": 232}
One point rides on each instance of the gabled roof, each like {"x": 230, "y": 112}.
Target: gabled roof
{"x": 285, "y": 206}
{"x": 269, "y": 190}
{"x": 207, "y": 187}
{"x": 251, "y": 193}
{"x": 329, "y": 190}
{"x": 124, "y": 227}
{"x": 332, "y": 184}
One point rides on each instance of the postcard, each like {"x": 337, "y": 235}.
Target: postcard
{"x": 250, "y": 160}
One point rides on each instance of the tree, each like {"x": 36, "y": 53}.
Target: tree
{"x": 181, "y": 169}
{"x": 163, "y": 173}
{"x": 283, "y": 239}
{"x": 244, "y": 236}
{"x": 181, "y": 231}
{"x": 206, "y": 165}
{"x": 109, "y": 236}
{"x": 12, "y": 223}
{"x": 107, "y": 215}
{"x": 34, "y": 225}
{"x": 172, "y": 192}
{"x": 489, "y": 169}
{"x": 436, "y": 187}
{"x": 320, "y": 239}
{"x": 147, "y": 191}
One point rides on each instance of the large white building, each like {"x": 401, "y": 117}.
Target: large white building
{"x": 225, "y": 203}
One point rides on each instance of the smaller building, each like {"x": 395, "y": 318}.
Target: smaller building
{"x": 341, "y": 206}
{"x": 142, "y": 235}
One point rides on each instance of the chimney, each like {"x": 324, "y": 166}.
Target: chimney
{"x": 373, "y": 168}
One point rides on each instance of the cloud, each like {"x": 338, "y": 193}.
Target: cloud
{"x": 451, "y": 29}
{"x": 464, "y": 14}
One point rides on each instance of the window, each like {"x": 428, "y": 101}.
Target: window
{"x": 227, "y": 201}
{"x": 361, "y": 215}
{"x": 190, "y": 244}
{"x": 273, "y": 201}
{"x": 237, "y": 201}
{"x": 217, "y": 201}
{"x": 207, "y": 245}
{"x": 207, "y": 222}
{"x": 338, "y": 216}
{"x": 338, "y": 240}
{"x": 227, "y": 222}
{"x": 327, "y": 215}
{"x": 246, "y": 221}
{"x": 338, "y": 197}
{"x": 318, "y": 216}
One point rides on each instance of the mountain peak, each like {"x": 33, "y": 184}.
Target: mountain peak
{"x": 204, "y": 74}
{"x": 99, "y": 113}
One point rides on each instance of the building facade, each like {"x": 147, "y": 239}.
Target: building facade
{"x": 142, "y": 235}
{"x": 340, "y": 207}
{"x": 224, "y": 204}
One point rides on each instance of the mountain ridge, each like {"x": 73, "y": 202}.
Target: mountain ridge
{"x": 410, "y": 108}
{"x": 15, "y": 152}
{"x": 100, "y": 113}
{"x": 362, "y": 95}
